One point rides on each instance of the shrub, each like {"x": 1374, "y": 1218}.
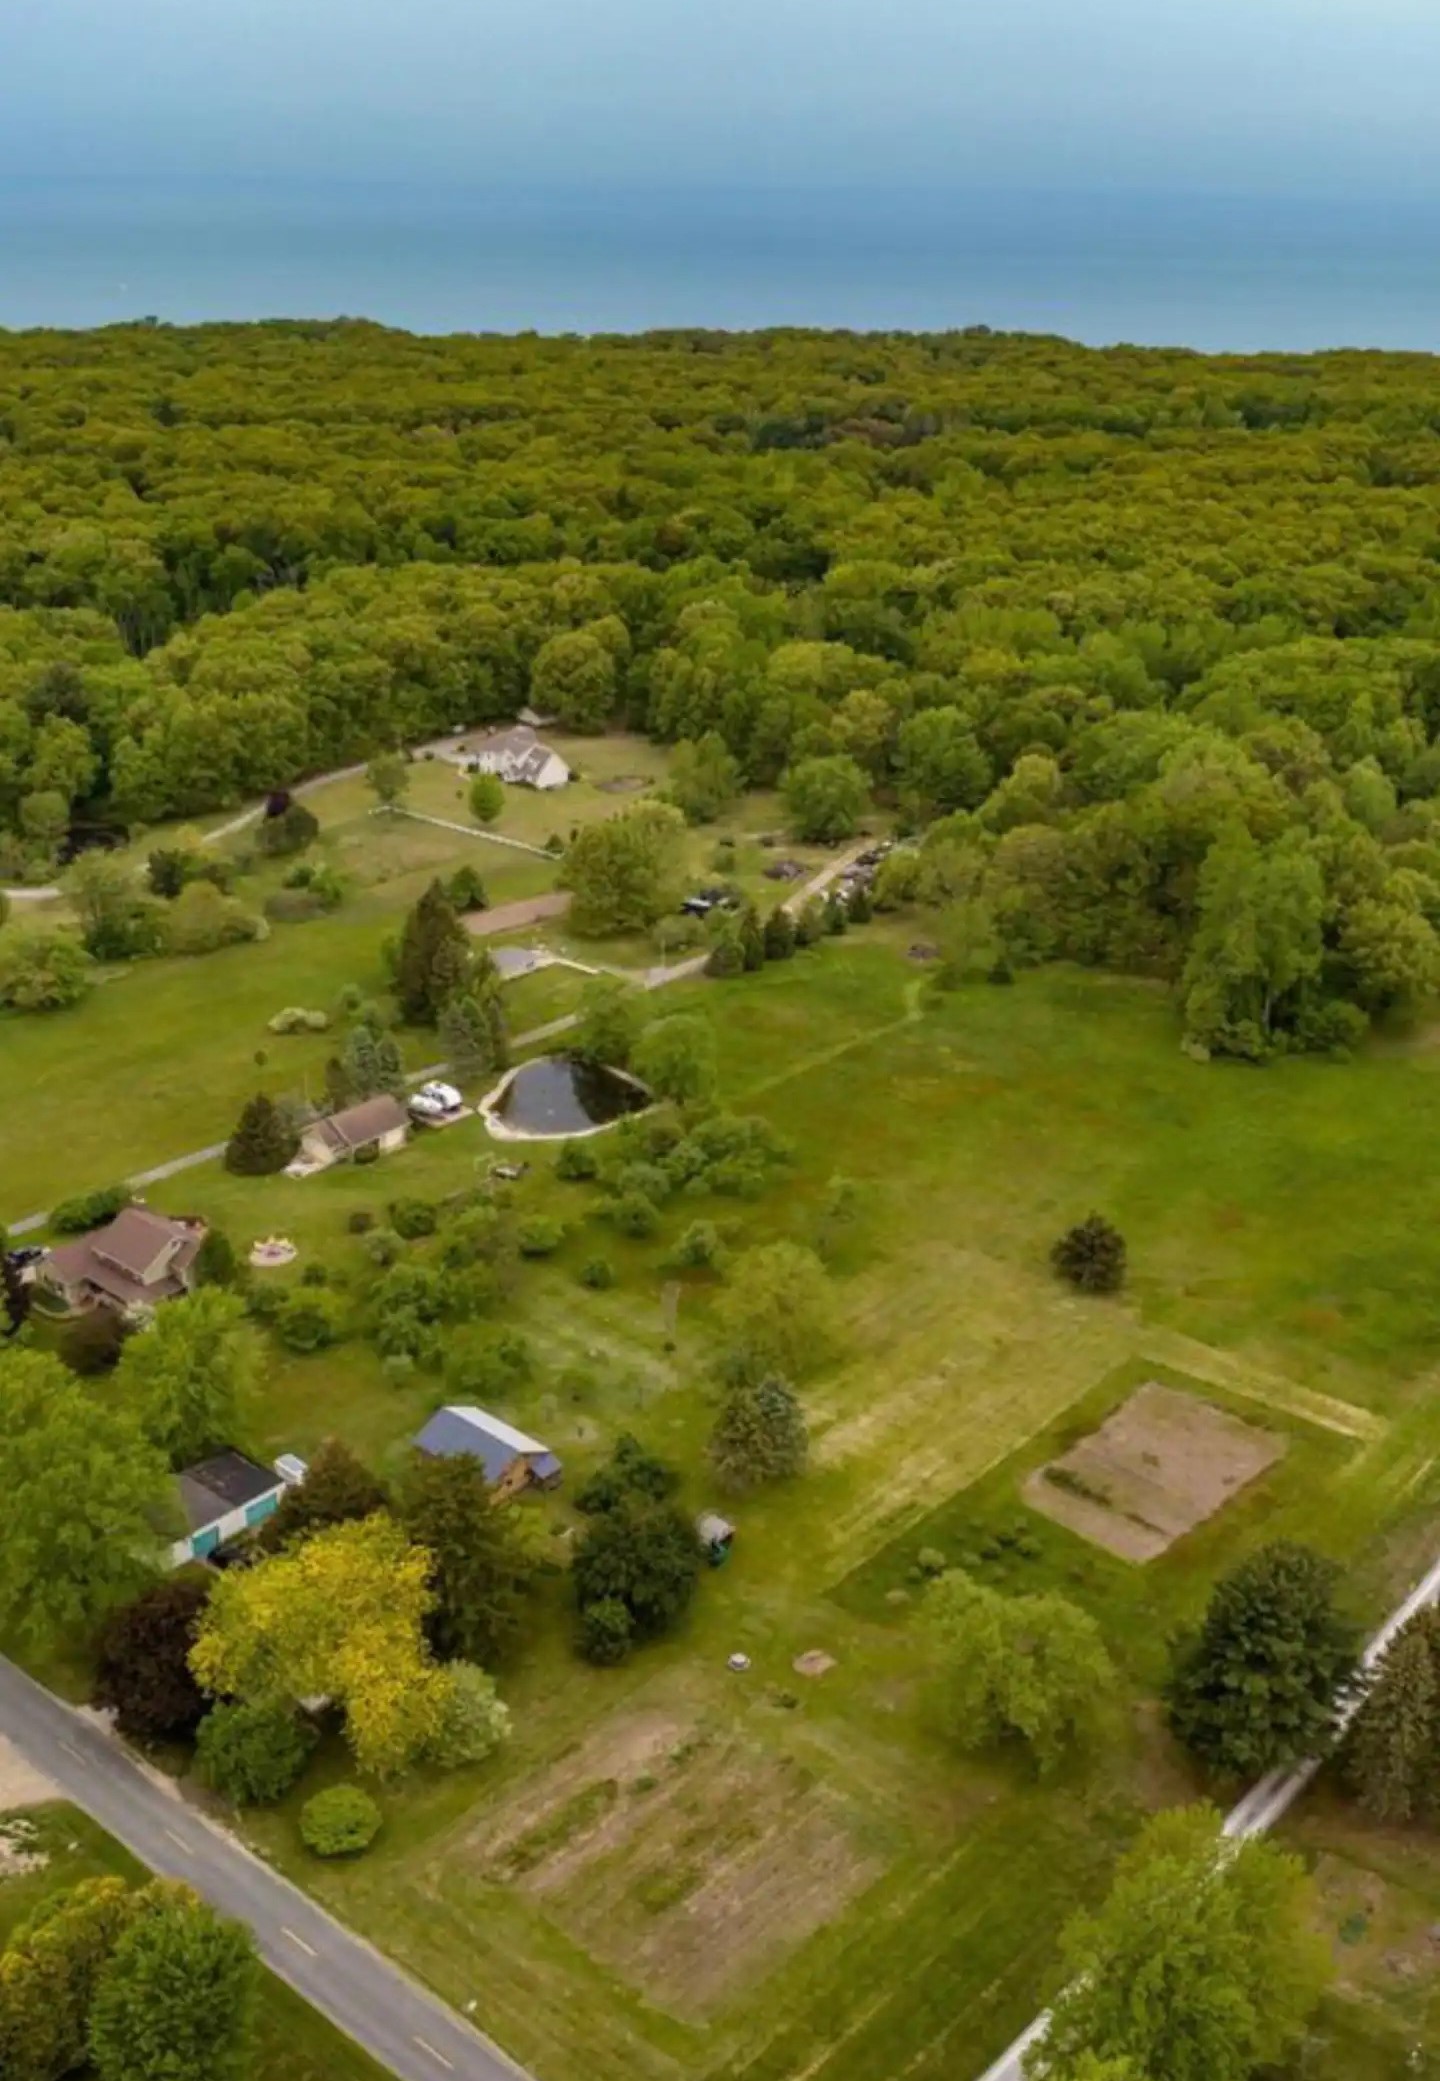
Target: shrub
{"x": 295, "y": 1019}
{"x": 606, "y": 1632}
{"x": 597, "y": 1273}
{"x": 701, "y": 1248}
{"x": 631, "y": 1470}
{"x": 360, "y": 1221}
{"x": 540, "y": 1236}
{"x": 577, "y": 1161}
{"x": 341, "y": 1821}
{"x": 1091, "y": 1256}
{"x": 635, "y": 1216}
{"x": 89, "y": 1210}
{"x": 383, "y": 1247}
{"x": 368, "y": 1152}
{"x": 309, "y": 1319}
{"x": 466, "y": 891}
{"x": 412, "y": 1218}
{"x": 252, "y": 1754}
{"x": 92, "y": 1343}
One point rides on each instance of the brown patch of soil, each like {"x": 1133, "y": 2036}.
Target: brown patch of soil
{"x": 814, "y": 1662}
{"x": 506, "y": 916}
{"x": 1161, "y": 1465}
{"x": 689, "y": 1863}
{"x": 20, "y": 1783}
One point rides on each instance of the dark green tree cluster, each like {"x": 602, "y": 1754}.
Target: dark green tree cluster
{"x": 433, "y": 960}
{"x": 1392, "y": 1751}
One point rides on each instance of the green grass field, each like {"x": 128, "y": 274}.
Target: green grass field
{"x": 887, "y": 1906}
{"x": 293, "y": 2041}
{"x": 678, "y": 1872}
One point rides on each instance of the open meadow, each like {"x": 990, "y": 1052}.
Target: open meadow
{"x": 679, "y": 1871}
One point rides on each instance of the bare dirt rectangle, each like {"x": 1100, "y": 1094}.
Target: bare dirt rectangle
{"x": 507, "y": 917}
{"x": 1162, "y": 1464}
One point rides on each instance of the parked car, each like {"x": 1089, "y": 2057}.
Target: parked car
{"x": 435, "y": 1102}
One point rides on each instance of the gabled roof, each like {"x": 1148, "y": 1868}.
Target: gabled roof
{"x": 225, "y": 1482}
{"x": 136, "y": 1257}
{"x": 462, "y": 1428}
{"x": 367, "y": 1122}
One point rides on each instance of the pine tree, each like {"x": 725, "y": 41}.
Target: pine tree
{"x": 389, "y": 1069}
{"x": 837, "y": 917}
{"x": 433, "y": 958}
{"x": 361, "y": 1064}
{"x": 779, "y": 934}
{"x": 1394, "y": 1744}
{"x": 1091, "y": 1256}
{"x": 752, "y": 940}
{"x": 496, "y": 1032}
{"x": 726, "y": 957}
{"x": 263, "y": 1140}
{"x": 472, "y": 1033}
{"x": 339, "y": 1092}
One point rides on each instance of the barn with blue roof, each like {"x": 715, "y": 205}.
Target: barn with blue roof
{"x": 511, "y": 1460}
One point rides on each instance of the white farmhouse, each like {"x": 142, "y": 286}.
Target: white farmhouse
{"x": 518, "y": 756}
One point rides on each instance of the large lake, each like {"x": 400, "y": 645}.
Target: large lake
{"x": 1212, "y": 273}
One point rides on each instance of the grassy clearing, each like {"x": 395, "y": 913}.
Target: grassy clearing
{"x": 907, "y": 1899}
{"x": 294, "y": 2042}
{"x": 893, "y": 1908}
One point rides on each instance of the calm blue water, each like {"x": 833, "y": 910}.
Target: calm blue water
{"x": 1202, "y": 273}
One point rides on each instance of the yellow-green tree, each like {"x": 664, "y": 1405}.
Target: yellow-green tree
{"x": 342, "y": 1617}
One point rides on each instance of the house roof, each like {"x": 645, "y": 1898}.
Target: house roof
{"x": 520, "y": 737}
{"x": 225, "y": 1482}
{"x": 367, "y": 1122}
{"x": 139, "y": 1256}
{"x": 462, "y": 1428}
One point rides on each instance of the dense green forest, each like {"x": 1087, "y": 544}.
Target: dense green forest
{"x": 1146, "y": 643}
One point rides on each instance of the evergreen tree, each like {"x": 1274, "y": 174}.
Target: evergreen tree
{"x": 752, "y": 940}
{"x": 1392, "y": 1756}
{"x": 836, "y": 916}
{"x": 727, "y": 957}
{"x": 337, "y": 1488}
{"x": 433, "y": 958}
{"x": 263, "y": 1140}
{"x": 15, "y": 1295}
{"x": 389, "y": 1069}
{"x": 779, "y": 934}
{"x": 1091, "y": 1256}
{"x": 759, "y": 1435}
{"x": 483, "y": 1570}
{"x": 1256, "y": 1688}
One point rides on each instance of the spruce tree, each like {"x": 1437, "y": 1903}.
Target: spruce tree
{"x": 389, "y": 1069}
{"x": 752, "y": 940}
{"x": 726, "y": 957}
{"x": 263, "y": 1140}
{"x": 339, "y": 1092}
{"x": 433, "y": 959}
{"x": 468, "y": 1036}
{"x": 1393, "y": 1749}
{"x": 779, "y": 934}
{"x": 361, "y": 1065}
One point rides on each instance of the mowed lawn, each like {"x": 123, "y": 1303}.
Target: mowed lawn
{"x": 676, "y": 1871}
{"x": 293, "y": 2041}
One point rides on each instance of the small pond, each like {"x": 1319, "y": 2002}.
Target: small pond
{"x": 556, "y": 1095}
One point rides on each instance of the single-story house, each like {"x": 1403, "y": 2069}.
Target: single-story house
{"x": 510, "y": 1459}
{"x": 221, "y": 1498}
{"x": 379, "y": 1123}
{"x": 518, "y": 756}
{"x": 137, "y": 1260}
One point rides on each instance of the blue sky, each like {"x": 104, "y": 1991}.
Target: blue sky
{"x": 1302, "y": 97}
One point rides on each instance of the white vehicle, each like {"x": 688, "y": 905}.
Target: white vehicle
{"x": 435, "y": 1102}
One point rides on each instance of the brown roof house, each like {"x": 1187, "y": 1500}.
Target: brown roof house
{"x": 136, "y": 1261}
{"x": 379, "y": 1123}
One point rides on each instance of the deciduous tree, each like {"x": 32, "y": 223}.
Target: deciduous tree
{"x": 826, "y": 797}
{"x": 142, "y": 1659}
{"x": 760, "y": 1434}
{"x": 676, "y": 1058}
{"x": 776, "y": 1316}
{"x": 189, "y": 1374}
{"x": 482, "y": 1570}
{"x": 177, "y": 1996}
{"x": 1203, "y": 1963}
{"x": 1032, "y": 1669}
{"x": 84, "y": 1493}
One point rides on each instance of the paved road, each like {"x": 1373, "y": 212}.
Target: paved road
{"x": 652, "y": 979}
{"x": 372, "y": 2001}
{"x": 1264, "y": 1804}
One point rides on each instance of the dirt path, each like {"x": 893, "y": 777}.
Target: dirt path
{"x": 529, "y": 911}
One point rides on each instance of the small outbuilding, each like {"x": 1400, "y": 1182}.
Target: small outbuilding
{"x": 381, "y": 1124}
{"x": 716, "y": 1535}
{"x": 222, "y": 1497}
{"x": 512, "y": 1461}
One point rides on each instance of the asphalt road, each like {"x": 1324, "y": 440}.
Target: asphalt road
{"x": 1264, "y": 1804}
{"x": 371, "y": 2000}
